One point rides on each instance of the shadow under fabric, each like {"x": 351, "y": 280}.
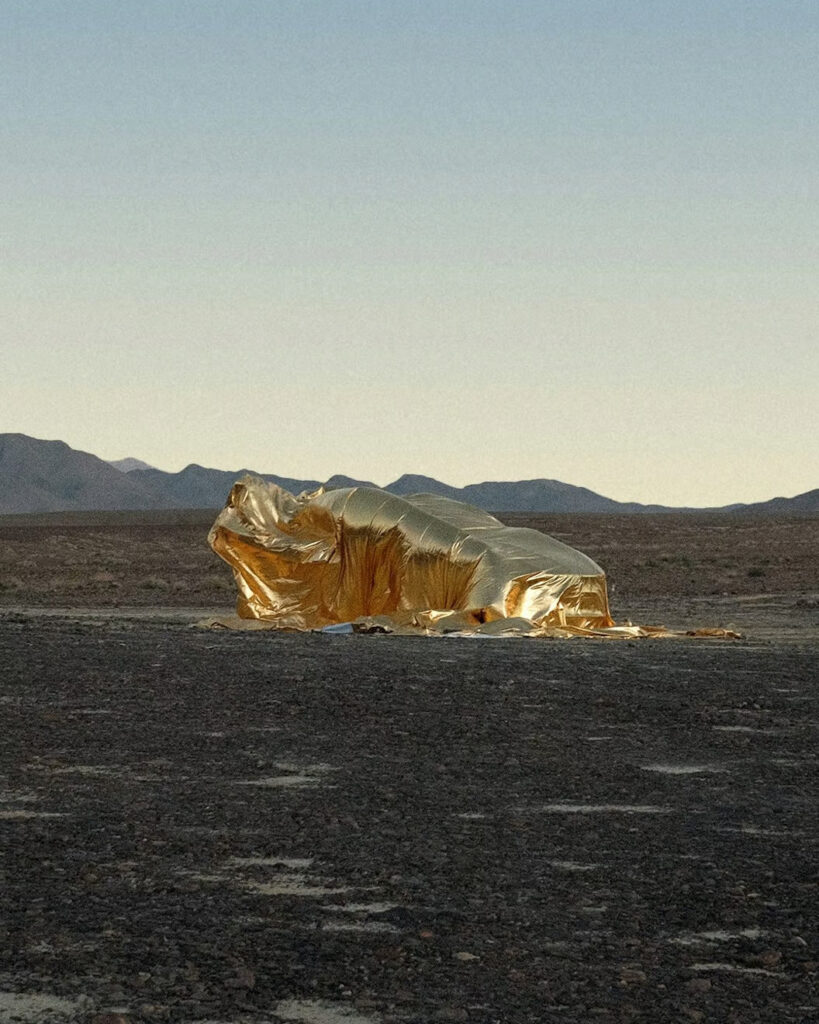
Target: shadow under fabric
{"x": 421, "y": 563}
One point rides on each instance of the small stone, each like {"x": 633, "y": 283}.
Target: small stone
{"x": 693, "y": 1015}
{"x": 769, "y": 958}
{"x": 245, "y": 977}
{"x": 698, "y": 985}
{"x": 388, "y": 953}
{"x": 632, "y": 975}
{"x": 465, "y": 957}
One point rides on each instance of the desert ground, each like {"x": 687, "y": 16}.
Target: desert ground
{"x": 210, "y": 826}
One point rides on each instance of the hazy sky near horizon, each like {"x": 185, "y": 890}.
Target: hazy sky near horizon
{"x": 479, "y": 240}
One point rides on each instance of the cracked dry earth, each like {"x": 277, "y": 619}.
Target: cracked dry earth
{"x": 204, "y": 826}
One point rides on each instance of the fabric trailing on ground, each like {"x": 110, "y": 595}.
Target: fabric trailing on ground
{"x": 415, "y": 564}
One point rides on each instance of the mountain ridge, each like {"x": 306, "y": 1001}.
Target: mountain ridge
{"x": 126, "y": 465}
{"x": 49, "y": 476}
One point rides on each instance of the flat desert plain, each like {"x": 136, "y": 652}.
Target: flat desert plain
{"x": 206, "y": 826}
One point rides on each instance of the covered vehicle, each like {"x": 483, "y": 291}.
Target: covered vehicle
{"x": 421, "y": 562}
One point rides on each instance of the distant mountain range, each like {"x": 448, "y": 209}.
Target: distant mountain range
{"x": 49, "y": 476}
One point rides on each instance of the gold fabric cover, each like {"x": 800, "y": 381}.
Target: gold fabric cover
{"x": 421, "y": 562}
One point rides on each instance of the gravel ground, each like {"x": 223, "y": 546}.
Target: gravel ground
{"x": 127, "y": 559}
{"x": 207, "y": 826}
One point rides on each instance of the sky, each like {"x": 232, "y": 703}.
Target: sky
{"x": 475, "y": 239}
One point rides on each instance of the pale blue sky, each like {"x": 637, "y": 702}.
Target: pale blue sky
{"x": 478, "y": 240}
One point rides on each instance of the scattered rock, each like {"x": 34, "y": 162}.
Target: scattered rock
{"x": 768, "y": 958}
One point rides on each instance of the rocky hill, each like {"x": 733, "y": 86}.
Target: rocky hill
{"x": 804, "y": 504}
{"x": 48, "y": 476}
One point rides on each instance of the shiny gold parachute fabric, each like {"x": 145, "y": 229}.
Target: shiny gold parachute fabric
{"x": 419, "y": 563}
